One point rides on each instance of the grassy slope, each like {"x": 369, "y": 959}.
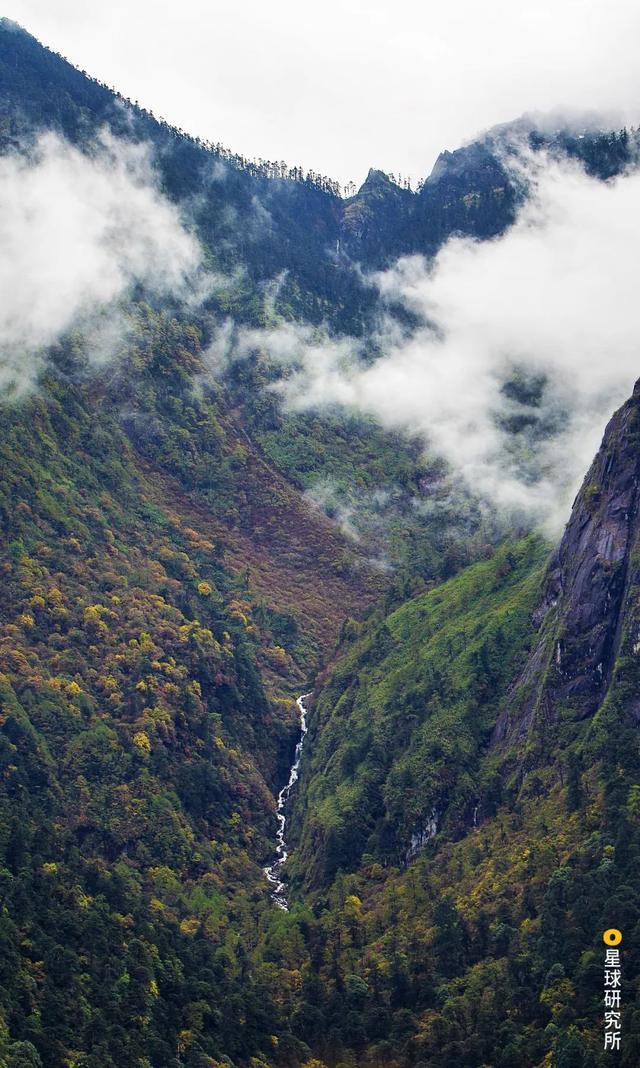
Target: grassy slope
{"x": 404, "y": 714}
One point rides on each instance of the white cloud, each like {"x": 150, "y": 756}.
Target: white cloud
{"x": 77, "y": 232}
{"x": 555, "y": 297}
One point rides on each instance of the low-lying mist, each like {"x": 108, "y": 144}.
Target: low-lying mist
{"x": 521, "y": 346}
{"x": 526, "y": 345}
{"x": 77, "y": 233}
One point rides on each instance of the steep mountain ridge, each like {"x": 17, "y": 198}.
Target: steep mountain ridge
{"x": 589, "y": 616}
{"x": 581, "y": 621}
{"x": 519, "y": 849}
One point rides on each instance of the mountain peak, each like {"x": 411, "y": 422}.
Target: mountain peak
{"x": 376, "y": 177}
{"x": 380, "y": 182}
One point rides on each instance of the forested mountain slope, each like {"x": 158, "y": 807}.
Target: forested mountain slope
{"x": 172, "y": 577}
{"x": 156, "y": 623}
{"x": 271, "y": 242}
{"x": 468, "y": 813}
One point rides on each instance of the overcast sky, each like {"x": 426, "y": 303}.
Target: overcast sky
{"x": 343, "y": 85}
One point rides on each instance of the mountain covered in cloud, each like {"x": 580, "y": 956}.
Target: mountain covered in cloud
{"x": 393, "y": 280}
{"x": 262, "y": 436}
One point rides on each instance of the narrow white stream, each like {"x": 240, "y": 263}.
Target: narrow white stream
{"x": 274, "y": 871}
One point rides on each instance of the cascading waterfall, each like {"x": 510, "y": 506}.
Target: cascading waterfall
{"x": 274, "y": 871}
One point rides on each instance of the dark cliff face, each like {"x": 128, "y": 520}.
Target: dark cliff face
{"x": 588, "y": 622}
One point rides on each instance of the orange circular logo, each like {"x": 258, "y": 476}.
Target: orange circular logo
{"x": 612, "y": 937}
